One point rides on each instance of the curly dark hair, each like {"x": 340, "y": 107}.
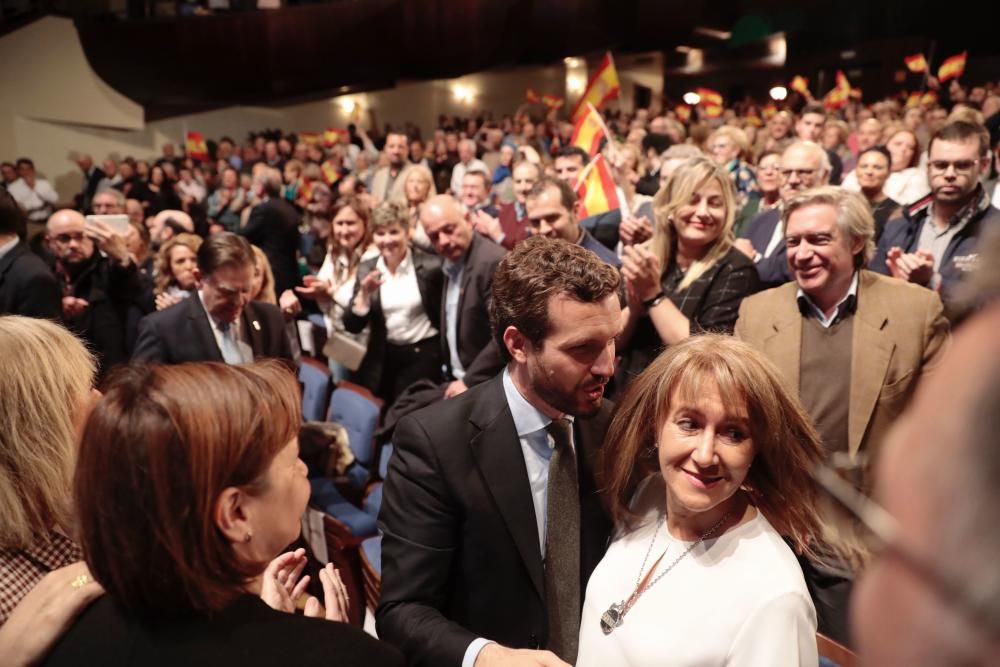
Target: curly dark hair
{"x": 537, "y": 269}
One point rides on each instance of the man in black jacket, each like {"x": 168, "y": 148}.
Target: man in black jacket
{"x": 27, "y": 286}
{"x": 98, "y": 281}
{"x": 274, "y": 228}
{"x": 219, "y": 322}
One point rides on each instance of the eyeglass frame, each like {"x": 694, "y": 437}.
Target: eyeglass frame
{"x": 885, "y": 529}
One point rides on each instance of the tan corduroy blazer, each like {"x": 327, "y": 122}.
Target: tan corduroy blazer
{"x": 899, "y": 334}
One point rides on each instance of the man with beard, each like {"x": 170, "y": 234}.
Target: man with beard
{"x": 935, "y": 243}
{"x": 491, "y": 519}
{"x": 386, "y": 184}
{"x": 98, "y": 280}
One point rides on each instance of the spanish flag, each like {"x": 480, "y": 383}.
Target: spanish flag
{"x": 596, "y": 188}
{"x": 930, "y": 98}
{"x": 589, "y": 132}
{"x": 603, "y": 87}
{"x": 331, "y": 136}
{"x": 683, "y": 112}
{"x": 953, "y": 67}
{"x": 916, "y": 63}
{"x": 755, "y": 121}
{"x": 330, "y": 173}
{"x": 769, "y": 110}
{"x": 195, "y": 146}
{"x": 840, "y": 94}
{"x": 309, "y": 138}
{"x": 531, "y": 97}
{"x": 553, "y": 101}
{"x": 709, "y": 97}
{"x": 800, "y": 84}
{"x": 713, "y": 111}
{"x": 913, "y": 100}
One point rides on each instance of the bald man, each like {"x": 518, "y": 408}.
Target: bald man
{"x": 470, "y": 259}
{"x": 98, "y": 280}
{"x": 167, "y": 224}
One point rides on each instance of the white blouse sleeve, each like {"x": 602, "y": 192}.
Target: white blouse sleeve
{"x": 782, "y": 631}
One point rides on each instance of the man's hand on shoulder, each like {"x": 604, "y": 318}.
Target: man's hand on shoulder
{"x": 494, "y": 655}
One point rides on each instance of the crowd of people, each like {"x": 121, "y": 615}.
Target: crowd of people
{"x": 770, "y": 303}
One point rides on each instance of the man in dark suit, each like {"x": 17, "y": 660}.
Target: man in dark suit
{"x": 27, "y": 286}
{"x": 219, "y": 322}
{"x": 491, "y": 518}
{"x": 804, "y": 165}
{"x": 92, "y": 176}
{"x": 551, "y": 205}
{"x": 511, "y": 224}
{"x": 470, "y": 354}
{"x": 274, "y": 228}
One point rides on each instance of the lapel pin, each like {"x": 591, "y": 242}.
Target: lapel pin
{"x": 256, "y": 325}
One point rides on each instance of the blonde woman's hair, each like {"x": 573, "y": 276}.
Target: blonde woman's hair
{"x": 786, "y": 443}
{"x": 421, "y": 171}
{"x": 164, "y": 278}
{"x": 737, "y": 136}
{"x": 266, "y": 294}
{"x": 46, "y": 375}
{"x": 684, "y": 182}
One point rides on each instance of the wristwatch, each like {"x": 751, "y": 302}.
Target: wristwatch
{"x": 655, "y": 301}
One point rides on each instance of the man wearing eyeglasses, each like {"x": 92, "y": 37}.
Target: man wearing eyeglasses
{"x": 804, "y": 165}
{"x": 935, "y": 243}
{"x": 97, "y": 279}
{"x": 220, "y": 322}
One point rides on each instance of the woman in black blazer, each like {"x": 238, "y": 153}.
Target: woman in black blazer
{"x": 688, "y": 278}
{"x": 188, "y": 483}
{"x": 399, "y": 294}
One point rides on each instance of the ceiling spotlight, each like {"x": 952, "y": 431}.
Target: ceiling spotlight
{"x": 778, "y": 93}
{"x": 692, "y": 98}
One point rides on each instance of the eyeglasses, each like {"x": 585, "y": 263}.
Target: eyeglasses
{"x": 961, "y": 166}
{"x": 879, "y": 530}
{"x": 801, "y": 173}
{"x": 66, "y": 238}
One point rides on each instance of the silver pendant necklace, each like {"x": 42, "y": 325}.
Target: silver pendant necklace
{"x": 615, "y": 615}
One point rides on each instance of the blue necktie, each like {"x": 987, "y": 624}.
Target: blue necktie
{"x": 230, "y": 348}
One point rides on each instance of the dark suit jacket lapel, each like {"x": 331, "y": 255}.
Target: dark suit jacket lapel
{"x": 8, "y": 261}
{"x": 198, "y": 317}
{"x": 252, "y": 330}
{"x": 497, "y": 451}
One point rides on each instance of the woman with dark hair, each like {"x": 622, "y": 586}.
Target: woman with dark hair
{"x": 707, "y": 474}
{"x": 188, "y": 483}
{"x": 872, "y": 173}
{"x": 160, "y": 195}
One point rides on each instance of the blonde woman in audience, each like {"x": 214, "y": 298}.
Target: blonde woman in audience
{"x": 418, "y": 187}
{"x": 46, "y": 393}
{"x": 707, "y": 472}
{"x": 907, "y": 182}
{"x": 688, "y": 278}
{"x": 174, "y": 269}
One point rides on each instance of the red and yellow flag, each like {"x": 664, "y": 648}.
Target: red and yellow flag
{"x": 588, "y": 132}
{"x": 930, "y": 98}
{"x": 769, "y": 110}
{"x": 755, "y": 121}
{"x": 709, "y": 97}
{"x": 195, "y": 146}
{"x": 683, "y": 112}
{"x": 800, "y": 84}
{"x": 553, "y": 101}
{"x": 531, "y": 97}
{"x": 596, "y": 188}
{"x": 309, "y": 138}
{"x": 602, "y": 88}
{"x": 913, "y": 100}
{"x": 840, "y": 94}
{"x": 330, "y": 173}
{"x": 713, "y": 111}
{"x": 953, "y": 67}
{"x": 332, "y": 135}
{"x": 916, "y": 63}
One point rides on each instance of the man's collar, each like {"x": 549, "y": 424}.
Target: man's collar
{"x": 527, "y": 418}
{"x": 848, "y": 304}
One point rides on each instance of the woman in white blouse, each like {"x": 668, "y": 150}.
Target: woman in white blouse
{"x": 707, "y": 470}
{"x": 907, "y": 181}
{"x": 333, "y": 287}
{"x": 397, "y": 294}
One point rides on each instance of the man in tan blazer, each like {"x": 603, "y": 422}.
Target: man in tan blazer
{"x": 853, "y": 344}
{"x": 388, "y": 181}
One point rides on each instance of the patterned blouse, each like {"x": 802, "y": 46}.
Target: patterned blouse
{"x": 21, "y": 570}
{"x": 711, "y": 303}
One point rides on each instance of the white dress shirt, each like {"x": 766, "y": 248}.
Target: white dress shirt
{"x": 406, "y": 322}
